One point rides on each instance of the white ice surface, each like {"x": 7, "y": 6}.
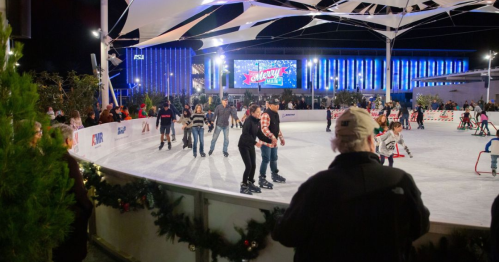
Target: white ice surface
{"x": 443, "y": 167}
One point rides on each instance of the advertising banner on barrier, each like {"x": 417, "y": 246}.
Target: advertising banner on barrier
{"x": 438, "y": 115}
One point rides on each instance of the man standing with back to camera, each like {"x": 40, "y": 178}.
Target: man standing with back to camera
{"x": 357, "y": 209}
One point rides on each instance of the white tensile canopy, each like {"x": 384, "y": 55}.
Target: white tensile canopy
{"x": 155, "y": 17}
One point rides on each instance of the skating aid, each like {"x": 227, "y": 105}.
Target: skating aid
{"x": 476, "y": 165}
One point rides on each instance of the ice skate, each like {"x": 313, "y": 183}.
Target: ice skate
{"x": 494, "y": 173}
{"x": 263, "y": 183}
{"x": 240, "y": 125}
{"x": 278, "y": 179}
{"x": 184, "y": 146}
{"x": 203, "y": 155}
{"x": 226, "y": 154}
{"x": 210, "y": 152}
{"x": 232, "y": 126}
{"x": 488, "y": 133}
{"x": 254, "y": 188}
{"x": 480, "y": 134}
{"x": 195, "y": 155}
{"x": 173, "y": 138}
{"x": 161, "y": 145}
{"x": 169, "y": 146}
{"x": 245, "y": 189}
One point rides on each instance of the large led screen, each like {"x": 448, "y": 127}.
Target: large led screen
{"x": 267, "y": 73}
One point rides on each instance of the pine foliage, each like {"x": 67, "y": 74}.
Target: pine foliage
{"x": 34, "y": 215}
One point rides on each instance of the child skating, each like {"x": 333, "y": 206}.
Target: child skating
{"x": 485, "y": 123}
{"x": 420, "y": 112}
{"x": 492, "y": 147}
{"x": 388, "y": 142}
{"x": 466, "y": 119}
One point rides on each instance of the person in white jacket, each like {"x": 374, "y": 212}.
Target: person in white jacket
{"x": 388, "y": 141}
{"x": 493, "y": 148}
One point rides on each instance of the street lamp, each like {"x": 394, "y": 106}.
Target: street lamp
{"x": 490, "y": 57}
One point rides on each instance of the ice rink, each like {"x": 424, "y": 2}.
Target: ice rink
{"x": 443, "y": 167}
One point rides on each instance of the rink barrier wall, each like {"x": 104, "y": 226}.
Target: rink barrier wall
{"x": 132, "y": 236}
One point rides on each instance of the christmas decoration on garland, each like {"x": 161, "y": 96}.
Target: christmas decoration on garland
{"x": 144, "y": 193}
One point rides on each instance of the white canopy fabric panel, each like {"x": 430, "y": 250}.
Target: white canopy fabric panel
{"x": 308, "y": 2}
{"x": 486, "y": 9}
{"x": 260, "y": 12}
{"x": 234, "y": 37}
{"x": 170, "y": 36}
{"x": 397, "y": 20}
{"x": 346, "y": 7}
{"x": 144, "y": 12}
{"x": 315, "y": 22}
{"x": 158, "y": 27}
{"x": 395, "y": 3}
{"x": 392, "y": 34}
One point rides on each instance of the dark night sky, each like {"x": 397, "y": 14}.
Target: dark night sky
{"x": 62, "y": 41}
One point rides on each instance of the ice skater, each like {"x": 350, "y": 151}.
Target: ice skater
{"x": 185, "y": 120}
{"x": 197, "y": 121}
{"x": 175, "y": 112}
{"x": 210, "y": 117}
{"x": 485, "y": 123}
{"x": 328, "y": 117}
{"x": 404, "y": 117}
{"x": 270, "y": 127}
{"x": 478, "y": 111}
{"x": 247, "y": 143}
{"x": 221, "y": 116}
{"x": 492, "y": 147}
{"x": 389, "y": 141}
{"x": 167, "y": 118}
{"x": 466, "y": 119}
{"x": 420, "y": 112}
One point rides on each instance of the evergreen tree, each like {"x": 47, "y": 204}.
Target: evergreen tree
{"x": 34, "y": 215}
{"x": 148, "y": 103}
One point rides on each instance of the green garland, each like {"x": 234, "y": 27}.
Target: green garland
{"x": 149, "y": 194}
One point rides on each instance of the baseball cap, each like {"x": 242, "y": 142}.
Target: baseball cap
{"x": 274, "y": 102}
{"x": 355, "y": 122}
{"x": 225, "y": 98}
{"x": 165, "y": 105}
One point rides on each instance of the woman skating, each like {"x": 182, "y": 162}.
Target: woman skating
{"x": 247, "y": 143}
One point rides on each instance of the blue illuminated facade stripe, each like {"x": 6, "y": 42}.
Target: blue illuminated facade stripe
{"x": 153, "y": 70}
{"x": 396, "y": 74}
{"x": 404, "y": 78}
{"x": 359, "y": 74}
{"x": 377, "y": 74}
{"x": 369, "y": 74}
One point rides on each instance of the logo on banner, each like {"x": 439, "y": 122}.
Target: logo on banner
{"x": 121, "y": 130}
{"x": 97, "y": 138}
{"x": 272, "y": 76}
{"x": 138, "y": 57}
{"x": 286, "y": 115}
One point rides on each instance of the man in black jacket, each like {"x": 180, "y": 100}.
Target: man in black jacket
{"x": 167, "y": 119}
{"x": 357, "y": 210}
{"x": 176, "y": 112}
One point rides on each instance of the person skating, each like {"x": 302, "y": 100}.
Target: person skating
{"x": 167, "y": 119}
{"x": 328, "y": 119}
{"x": 270, "y": 127}
{"x": 175, "y": 112}
{"x": 185, "y": 120}
{"x": 404, "y": 117}
{"x": 197, "y": 120}
{"x": 485, "y": 123}
{"x": 389, "y": 141}
{"x": 247, "y": 143}
{"x": 221, "y": 116}
{"x": 419, "y": 119}
{"x": 478, "y": 112}
{"x": 492, "y": 147}
{"x": 210, "y": 118}
{"x": 466, "y": 119}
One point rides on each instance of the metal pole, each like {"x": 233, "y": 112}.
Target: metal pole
{"x": 104, "y": 48}
{"x": 220, "y": 80}
{"x": 388, "y": 72}
{"x": 488, "y": 88}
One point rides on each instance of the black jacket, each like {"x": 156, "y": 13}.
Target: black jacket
{"x": 166, "y": 116}
{"x": 403, "y": 111}
{"x": 90, "y": 122}
{"x": 252, "y": 129}
{"x": 274, "y": 122}
{"x": 357, "y": 210}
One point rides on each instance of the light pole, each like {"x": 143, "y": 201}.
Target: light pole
{"x": 490, "y": 56}
{"x": 168, "y": 85}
